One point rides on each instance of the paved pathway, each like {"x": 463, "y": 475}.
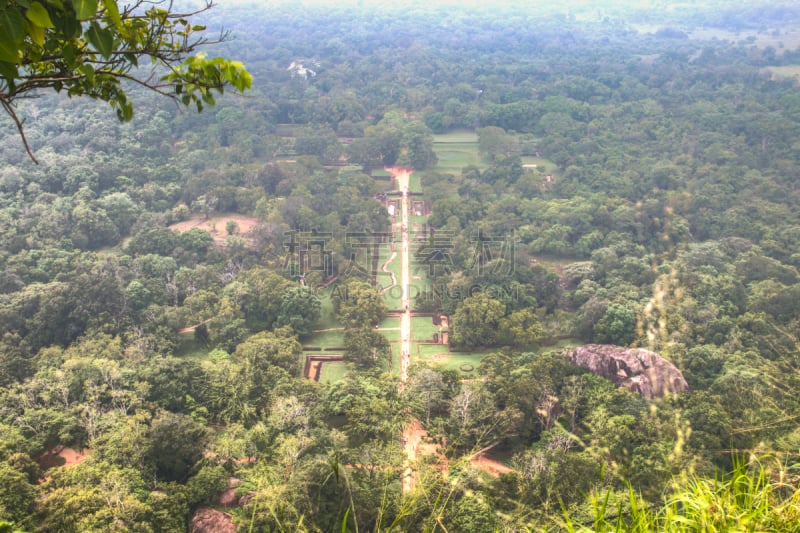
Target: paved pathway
{"x": 411, "y": 434}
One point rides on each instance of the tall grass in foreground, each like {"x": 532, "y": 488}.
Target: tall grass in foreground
{"x": 751, "y": 498}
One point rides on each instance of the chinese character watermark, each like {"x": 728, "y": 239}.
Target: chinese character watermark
{"x": 434, "y": 253}
{"x": 493, "y": 256}
{"x": 307, "y": 252}
{"x": 363, "y": 250}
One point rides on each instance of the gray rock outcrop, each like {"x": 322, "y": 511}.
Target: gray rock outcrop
{"x": 207, "y": 520}
{"x": 228, "y": 497}
{"x": 636, "y": 369}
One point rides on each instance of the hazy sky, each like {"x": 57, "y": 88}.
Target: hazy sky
{"x": 394, "y": 3}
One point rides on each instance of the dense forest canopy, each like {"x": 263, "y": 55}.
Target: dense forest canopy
{"x": 171, "y": 286}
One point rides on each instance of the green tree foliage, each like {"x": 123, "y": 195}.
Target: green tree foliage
{"x": 358, "y": 304}
{"x": 476, "y": 321}
{"x": 16, "y": 494}
{"x": 300, "y": 308}
{"x": 372, "y": 406}
{"x": 366, "y": 348}
{"x": 494, "y": 141}
{"x": 617, "y": 326}
{"x": 428, "y": 392}
{"x": 279, "y": 348}
{"x": 665, "y": 167}
{"x": 520, "y": 328}
{"x": 98, "y": 496}
{"x": 176, "y": 446}
{"x": 262, "y": 294}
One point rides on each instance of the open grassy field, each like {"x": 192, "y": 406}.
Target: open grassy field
{"x": 394, "y": 343}
{"x": 390, "y": 324}
{"x": 333, "y": 371}
{"x": 563, "y": 344}
{"x": 456, "y": 136}
{"x": 780, "y": 40}
{"x": 414, "y": 184}
{"x": 552, "y": 262}
{"x": 329, "y": 331}
{"x": 545, "y": 165}
{"x": 348, "y": 168}
{"x": 420, "y": 288}
{"x": 783, "y": 72}
{"x": 454, "y": 158}
{"x": 419, "y": 220}
{"x": 461, "y": 362}
{"x": 456, "y": 150}
{"x": 422, "y": 328}
{"x": 385, "y": 278}
{"x": 188, "y": 348}
{"x": 332, "y": 338}
{"x": 458, "y": 361}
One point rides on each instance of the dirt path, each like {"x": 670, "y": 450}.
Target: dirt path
{"x": 413, "y": 436}
{"x": 405, "y": 280}
{"x": 385, "y": 268}
{"x": 192, "y": 328}
{"x": 413, "y": 433}
{"x": 490, "y": 466}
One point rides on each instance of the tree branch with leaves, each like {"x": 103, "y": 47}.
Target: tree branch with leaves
{"x": 95, "y": 48}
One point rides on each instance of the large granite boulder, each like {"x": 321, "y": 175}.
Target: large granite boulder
{"x": 207, "y": 520}
{"x": 228, "y": 497}
{"x": 640, "y": 371}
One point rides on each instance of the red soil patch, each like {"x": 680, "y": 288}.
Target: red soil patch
{"x": 62, "y": 456}
{"x": 416, "y": 444}
{"x": 490, "y": 466}
{"x": 315, "y": 371}
{"x": 216, "y": 225}
{"x": 192, "y": 328}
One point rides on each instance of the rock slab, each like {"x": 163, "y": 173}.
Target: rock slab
{"x": 636, "y": 369}
{"x": 207, "y": 520}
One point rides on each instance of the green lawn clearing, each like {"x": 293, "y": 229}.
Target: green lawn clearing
{"x": 332, "y": 338}
{"x": 466, "y": 363}
{"x": 544, "y": 165}
{"x": 333, "y": 371}
{"x": 423, "y": 328}
{"x": 452, "y": 160}
{"x": 456, "y": 150}
{"x": 456, "y": 136}
{"x": 327, "y": 317}
{"x": 783, "y": 72}
{"x": 414, "y": 184}
{"x": 552, "y": 262}
{"x": 188, "y": 348}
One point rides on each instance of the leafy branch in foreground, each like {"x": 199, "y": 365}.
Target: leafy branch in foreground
{"x": 90, "y": 47}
